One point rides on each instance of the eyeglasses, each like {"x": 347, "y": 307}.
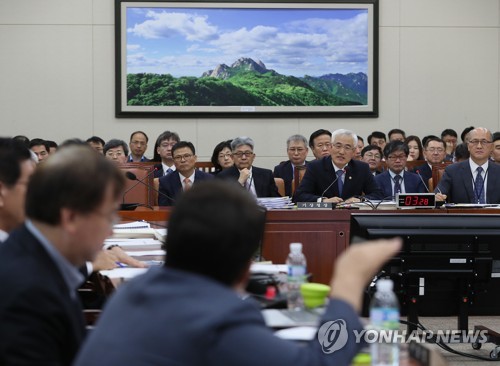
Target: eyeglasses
{"x": 185, "y": 157}
{"x": 435, "y": 149}
{"x": 482, "y": 142}
{"x": 371, "y": 155}
{"x": 394, "y": 158}
{"x": 339, "y": 146}
{"x": 223, "y": 156}
{"x": 140, "y": 143}
{"x": 239, "y": 154}
{"x": 296, "y": 149}
{"x": 114, "y": 153}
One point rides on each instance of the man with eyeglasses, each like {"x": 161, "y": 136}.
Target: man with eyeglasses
{"x": 434, "y": 153}
{"x": 257, "y": 181}
{"x": 116, "y": 150}
{"x": 475, "y": 180}
{"x": 395, "y": 179}
{"x": 296, "y": 148}
{"x": 164, "y": 144}
{"x": 138, "y": 146}
{"x": 372, "y": 155}
{"x": 71, "y": 205}
{"x": 338, "y": 178}
{"x": 185, "y": 175}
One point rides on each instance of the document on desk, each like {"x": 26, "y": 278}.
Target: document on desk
{"x": 124, "y": 273}
{"x": 135, "y": 244}
{"x": 145, "y": 253}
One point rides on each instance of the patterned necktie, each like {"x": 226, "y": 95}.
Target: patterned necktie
{"x": 340, "y": 183}
{"x": 169, "y": 170}
{"x": 479, "y": 187}
{"x": 397, "y": 184}
{"x": 187, "y": 184}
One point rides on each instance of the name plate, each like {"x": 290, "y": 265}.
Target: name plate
{"x": 315, "y": 205}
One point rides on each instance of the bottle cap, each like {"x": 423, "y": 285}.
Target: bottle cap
{"x": 296, "y": 247}
{"x": 384, "y": 285}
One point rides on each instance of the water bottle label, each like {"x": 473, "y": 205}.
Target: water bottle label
{"x": 385, "y": 318}
{"x": 296, "y": 271}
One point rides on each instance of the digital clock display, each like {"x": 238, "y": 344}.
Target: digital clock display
{"x": 416, "y": 200}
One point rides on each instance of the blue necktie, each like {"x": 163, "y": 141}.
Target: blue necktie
{"x": 397, "y": 184}
{"x": 169, "y": 170}
{"x": 479, "y": 187}
{"x": 340, "y": 183}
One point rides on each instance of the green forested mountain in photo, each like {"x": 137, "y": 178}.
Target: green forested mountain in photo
{"x": 245, "y": 83}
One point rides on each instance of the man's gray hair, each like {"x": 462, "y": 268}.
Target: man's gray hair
{"x": 240, "y": 141}
{"x": 296, "y": 138}
{"x": 343, "y": 132}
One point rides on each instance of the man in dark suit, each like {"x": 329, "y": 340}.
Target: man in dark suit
{"x": 475, "y": 180}
{"x": 338, "y": 178}
{"x": 395, "y": 179}
{"x": 296, "y": 148}
{"x": 71, "y": 205}
{"x": 258, "y": 181}
{"x": 195, "y": 301}
{"x": 164, "y": 144}
{"x": 372, "y": 155}
{"x": 434, "y": 153}
{"x": 138, "y": 145}
{"x": 185, "y": 175}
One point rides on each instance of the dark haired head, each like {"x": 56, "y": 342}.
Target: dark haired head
{"x": 377, "y": 135}
{"x": 38, "y": 142}
{"x": 449, "y": 132}
{"x": 317, "y": 133}
{"x": 396, "y": 131}
{"x": 496, "y": 136}
{"x": 430, "y": 138}
{"x": 13, "y": 153}
{"x": 73, "y": 142}
{"x": 111, "y": 144}
{"x": 214, "y": 230}
{"x": 462, "y": 152}
{"x": 75, "y": 178}
{"x": 141, "y": 132}
{"x": 464, "y": 133}
{"x": 394, "y": 146}
{"x": 21, "y": 138}
{"x": 370, "y": 148}
{"x": 419, "y": 144}
{"x": 215, "y": 155}
{"x": 182, "y": 144}
{"x": 96, "y": 140}
{"x": 166, "y": 135}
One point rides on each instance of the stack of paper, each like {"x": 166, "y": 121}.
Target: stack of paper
{"x": 275, "y": 202}
{"x": 136, "y": 229}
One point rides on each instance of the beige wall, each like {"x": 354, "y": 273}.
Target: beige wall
{"x": 439, "y": 68}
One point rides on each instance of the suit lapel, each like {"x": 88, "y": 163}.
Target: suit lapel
{"x": 330, "y": 174}
{"x": 492, "y": 182}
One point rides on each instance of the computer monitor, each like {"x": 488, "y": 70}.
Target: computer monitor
{"x": 446, "y": 263}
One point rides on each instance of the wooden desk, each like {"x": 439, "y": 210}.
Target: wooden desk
{"x": 324, "y": 234}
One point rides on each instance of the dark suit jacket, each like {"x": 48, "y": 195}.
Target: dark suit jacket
{"x": 171, "y": 186}
{"x": 263, "y": 180}
{"x": 425, "y": 172}
{"x": 320, "y": 174}
{"x": 456, "y": 183}
{"x": 177, "y": 310}
{"x": 284, "y": 170}
{"x": 412, "y": 183}
{"x": 39, "y": 323}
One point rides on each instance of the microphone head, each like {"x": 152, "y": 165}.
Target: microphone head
{"x": 131, "y": 175}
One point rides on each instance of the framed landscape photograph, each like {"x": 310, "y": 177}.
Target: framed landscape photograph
{"x": 246, "y": 59}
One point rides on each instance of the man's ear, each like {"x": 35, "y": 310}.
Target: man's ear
{"x": 68, "y": 219}
{"x": 3, "y": 193}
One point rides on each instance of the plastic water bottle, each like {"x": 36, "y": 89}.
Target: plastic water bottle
{"x": 296, "y": 263}
{"x": 384, "y": 317}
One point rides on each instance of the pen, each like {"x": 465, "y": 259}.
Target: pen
{"x": 120, "y": 264}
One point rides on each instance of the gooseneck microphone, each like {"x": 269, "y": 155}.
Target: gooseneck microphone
{"x": 132, "y": 176}
{"x": 129, "y": 175}
{"x": 332, "y": 183}
{"x": 425, "y": 185}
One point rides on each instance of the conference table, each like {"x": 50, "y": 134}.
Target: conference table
{"x": 325, "y": 234}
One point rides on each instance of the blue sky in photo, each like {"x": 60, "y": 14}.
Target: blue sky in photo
{"x": 190, "y": 41}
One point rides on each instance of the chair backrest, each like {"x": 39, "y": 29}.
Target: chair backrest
{"x": 410, "y": 165}
{"x": 139, "y": 191}
{"x": 280, "y": 183}
{"x": 437, "y": 174}
{"x": 205, "y": 166}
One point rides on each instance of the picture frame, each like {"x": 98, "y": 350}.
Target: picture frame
{"x": 241, "y": 59}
